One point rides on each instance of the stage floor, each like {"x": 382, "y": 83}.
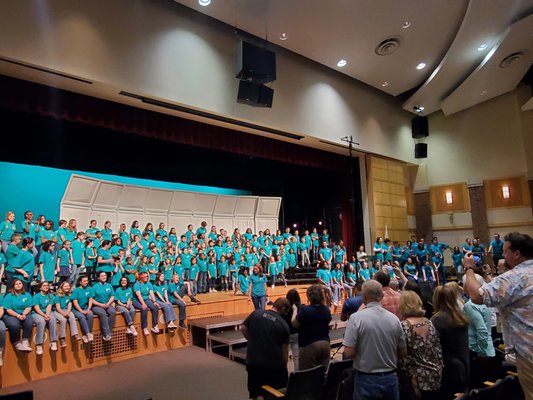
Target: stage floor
{"x": 186, "y": 374}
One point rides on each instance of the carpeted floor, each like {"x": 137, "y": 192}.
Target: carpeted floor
{"x": 189, "y": 373}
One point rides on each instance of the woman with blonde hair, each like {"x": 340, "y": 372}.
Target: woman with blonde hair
{"x": 421, "y": 369}
{"x": 452, "y": 325}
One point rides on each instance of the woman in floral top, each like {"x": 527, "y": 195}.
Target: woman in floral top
{"x": 421, "y": 370}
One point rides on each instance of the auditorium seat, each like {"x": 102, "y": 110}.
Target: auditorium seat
{"x": 26, "y": 395}
{"x": 333, "y": 378}
{"x": 303, "y": 385}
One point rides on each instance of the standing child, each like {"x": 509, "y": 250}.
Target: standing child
{"x": 212, "y": 273}
{"x": 64, "y": 262}
{"x": 428, "y": 273}
{"x": 223, "y": 273}
{"x": 90, "y": 259}
{"x": 47, "y": 263}
{"x": 233, "y": 272}
{"x": 193, "y": 275}
{"x": 78, "y": 257}
{"x": 280, "y": 270}
{"x": 243, "y": 281}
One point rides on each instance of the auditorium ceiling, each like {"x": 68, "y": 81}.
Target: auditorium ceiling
{"x": 433, "y": 54}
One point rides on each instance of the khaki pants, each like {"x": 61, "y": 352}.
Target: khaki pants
{"x": 525, "y": 375}
{"x": 315, "y": 354}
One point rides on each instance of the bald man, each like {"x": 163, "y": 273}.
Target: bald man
{"x": 375, "y": 340}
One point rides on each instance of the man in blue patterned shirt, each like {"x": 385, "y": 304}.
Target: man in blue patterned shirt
{"x": 512, "y": 293}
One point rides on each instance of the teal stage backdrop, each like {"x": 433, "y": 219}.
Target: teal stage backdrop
{"x": 40, "y": 189}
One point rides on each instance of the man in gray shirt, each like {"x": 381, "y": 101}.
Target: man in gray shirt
{"x": 375, "y": 340}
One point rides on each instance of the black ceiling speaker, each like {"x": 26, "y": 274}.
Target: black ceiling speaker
{"x": 421, "y": 150}
{"x": 254, "y": 94}
{"x": 258, "y": 64}
{"x": 419, "y": 127}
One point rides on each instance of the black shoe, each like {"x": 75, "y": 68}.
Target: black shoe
{"x": 270, "y": 303}
{"x": 182, "y": 325}
{"x": 195, "y": 300}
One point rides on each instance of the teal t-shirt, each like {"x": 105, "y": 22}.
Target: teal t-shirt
{"x": 272, "y": 269}
{"x": 144, "y": 289}
{"x": 162, "y": 290}
{"x": 326, "y": 253}
{"x": 47, "y": 235}
{"x": 42, "y": 301}
{"x": 77, "y": 252}
{"x": 194, "y": 272}
{"x": 63, "y": 301}
{"x": 48, "y": 260}
{"x": 223, "y": 268}
{"x": 202, "y": 265}
{"x": 106, "y": 267}
{"x": 244, "y": 284}
{"x": 324, "y": 275}
{"x": 123, "y": 295}
{"x": 32, "y": 226}
{"x": 7, "y": 229}
{"x": 212, "y": 270}
{"x": 64, "y": 258}
{"x": 11, "y": 255}
{"x": 26, "y": 262}
{"x": 364, "y": 274}
{"x": 90, "y": 252}
{"x": 18, "y": 302}
{"x": 258, "y": 285}
{"x": 82, "y": 295}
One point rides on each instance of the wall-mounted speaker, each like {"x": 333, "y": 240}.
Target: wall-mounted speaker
{"x": 419, "y": 127}
{"x": 258, "y": 64}
{"x": 421, "y": 150}
{"x": 255, "y": 95}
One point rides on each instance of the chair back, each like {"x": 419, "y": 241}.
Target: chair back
{"x": 512, "y": 388}
{"x": 493, "y": 392}
{"x": 346, "y": 386}
{"x": 333, "y": 378}
{"x": 306, "y": 384}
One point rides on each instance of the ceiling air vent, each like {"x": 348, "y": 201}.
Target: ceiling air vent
{"x": 388, "y": 46}
{"x": 511, "y": 59}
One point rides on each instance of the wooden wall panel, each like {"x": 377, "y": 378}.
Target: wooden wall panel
{"x": 461, "y": 198}
{"x": 518, "y": 188}
{"x": 387, "y": 198}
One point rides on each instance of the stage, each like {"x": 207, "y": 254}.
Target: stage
{"x": 20, "y": 368}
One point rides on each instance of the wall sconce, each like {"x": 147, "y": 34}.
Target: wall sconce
{"x": 506, "y": 191}
{"x": 449, "y": 197}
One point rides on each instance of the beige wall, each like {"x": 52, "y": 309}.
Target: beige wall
{"x": 483, "y": 142}
{"x": 164, "y": 50}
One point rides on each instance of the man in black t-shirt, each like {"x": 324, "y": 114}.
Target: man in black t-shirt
{"x": 268, "y": 347}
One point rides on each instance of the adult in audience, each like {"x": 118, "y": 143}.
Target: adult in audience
{"x": 482, "y": 351}
{"x": 313, "y": 335}
{"x": 352, "y": 304}
{"x": 375, "y": 340}
{"x": 452, "y": 325}
{"x": 268, "y": 347}
{"x": 512, "y": 293}
{"x": 421, "y": 369}
{"x": 391, "y": 298}
{"x": 295, "y": 302}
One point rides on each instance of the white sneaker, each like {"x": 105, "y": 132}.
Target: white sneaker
{"x": 171, "y": 325}
{"x": 53, "y": 346}
{"x": 106, "y": 338}
{"x": 38, "y": 350}
{"x": 90, "y": 337}
{"x": 133, "y": 331}
{"x": 128, "y": 330}
{"x": 26, "y": 346}
{"x": 155, "y": 329}
{"x": 146, "y": 332}
{"x": 85, "y": 339}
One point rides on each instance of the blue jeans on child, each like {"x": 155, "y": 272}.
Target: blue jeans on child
{"x": 85, "y": 320}
{"x": 128, "y": 314}
{"x": 144, "y": 313}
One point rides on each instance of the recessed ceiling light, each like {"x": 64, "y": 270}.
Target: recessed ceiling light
{"x": 421, "y": 66}
{"x": 204, "y": 3}
{"x": 342, "y": 63}
{"x": 482, "y": 47}
{"x": 418, "y": 109}
{"x": 406, "y": 25}
{"x": 283, "y": 36}
{"x": 386, "y": 83}
{"x": 483, "y": 93}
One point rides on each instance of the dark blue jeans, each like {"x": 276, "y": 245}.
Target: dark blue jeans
{"x": 370, "y": 387}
